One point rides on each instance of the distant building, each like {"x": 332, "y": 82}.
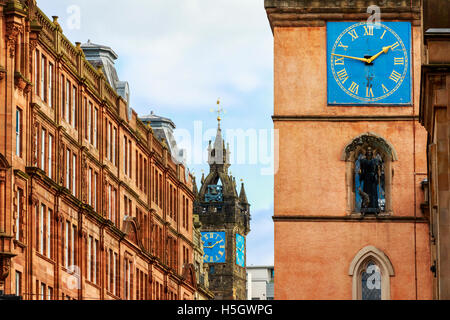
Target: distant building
{"x": 260, "y": 283}
{"x": 225, "y": 222}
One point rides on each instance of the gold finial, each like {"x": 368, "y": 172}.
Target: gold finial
{"x": 242, "y": 180}
{"x": 219, "y": 110}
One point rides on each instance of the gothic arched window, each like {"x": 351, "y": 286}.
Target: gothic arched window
{"x": 370, "y": 281}
{"x": 369, "y": 174}
{"x": 371, "y": 270}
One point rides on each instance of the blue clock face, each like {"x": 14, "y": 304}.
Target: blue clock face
{"x": 240, "y": 250}
{"x": 369, "y": 65}
{"x": 213, "y": 247}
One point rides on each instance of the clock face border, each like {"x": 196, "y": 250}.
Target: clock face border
{"x": 400, "y": 95}
{"x": 222, "y": 234}
{"x": 242, "y": 253}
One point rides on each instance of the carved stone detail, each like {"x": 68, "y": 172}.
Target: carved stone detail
{"x": 12, "y": 32}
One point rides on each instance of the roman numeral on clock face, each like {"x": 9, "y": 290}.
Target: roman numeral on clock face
{"x": 399, "y": 60}
{"x": 385, "y": 90}
{"x": 342, "y": 45}
{"x": 368, "y": 30}
{"x": 339, "y": 61}
{"x": 395, "y": 45}
{"x": 354, "y": 88}
{"x": 369, "y": 92}
{"x": 395, "y": 76}
{"x": 342, "y": 75}
{"x": 353, "y": 34}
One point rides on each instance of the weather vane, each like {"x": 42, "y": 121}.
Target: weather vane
{"x": 219, "y": 111}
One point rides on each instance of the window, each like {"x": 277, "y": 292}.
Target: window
{"x": 90, "y": 187}
{"x": 114, "y": 146}
{"x": 43, "y": 291}
{"x": 18, "y": 132}
{"x": 50, "y": 85}
{"x": 72, "y": 245}
{"x": 125, "y": 155}
{"x": 74, "y": 107}
{"x": 49, "y": 293}
{"x": 371, "y": 282}
{"x": 19, "y": 215}
{"x": 95, "y": 190}
{"x": 49, "y": 233}
{"x": 108, "y": 140}
{"x": 63, "y": 99}
{"x": 43, "y": 135}
{"x": 95, "y": 128}
{"x": 90, "y": 259}
{"x": 115, "y": 265}
{"x": 50, "y": 156}
{"x": 67, "y": 102}
{"x": 68, "y": 169}
{"x": 18, "y": 283}
{"x": 36, "y": 73}
{"x": 41, "y": 229}
{"x": 66, "y": 245}
{"x": 43, "y": 74}
{"x": 129, "y": 157}
{"x": 74, "y": 174}
{"x": 371, "y": 270}
{"x": 87, "y": 115}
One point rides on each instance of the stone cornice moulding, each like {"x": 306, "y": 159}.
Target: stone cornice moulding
{"x": 315, "y": 13}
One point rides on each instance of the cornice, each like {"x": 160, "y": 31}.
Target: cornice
{"x": 350, "y": 218}
{"x": 343, "y": 118}
{"x": 307, "y": 13}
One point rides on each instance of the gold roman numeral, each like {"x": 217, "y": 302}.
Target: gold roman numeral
{"x": 342, "y": 75}
{"x": 369, "y": 92}
{"x": 385, "y": 90}
{"x": 353, "y": 88}
{"x": 339, "y": 61}
{"x": 395, "y": 76}
{"x": 395, "y": 45}
{"x": 383, "y": 35}
{"x": 353, "y": 34}
{"x": 399, "y": 60}
{"x": 342, "y": 46}
{"x": 368, "y": 30}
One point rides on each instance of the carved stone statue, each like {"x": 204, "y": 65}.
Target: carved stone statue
{"x": 369, "y": 174}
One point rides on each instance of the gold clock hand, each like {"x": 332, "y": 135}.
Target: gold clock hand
{"x": 385, "y": 50}
{"x": 355, "y": 58}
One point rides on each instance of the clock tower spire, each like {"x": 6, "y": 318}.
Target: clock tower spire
{"x": 225, "y": 219}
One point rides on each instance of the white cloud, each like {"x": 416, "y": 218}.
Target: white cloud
{"x": 180, "y": 53}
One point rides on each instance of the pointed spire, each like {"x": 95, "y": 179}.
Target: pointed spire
{"x": 203, "y": 178}
{"x": 194, "y": 189}
{"x": 243, "y": 195}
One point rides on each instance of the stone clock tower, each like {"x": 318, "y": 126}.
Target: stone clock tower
{"x": 352, "y": 155}
{"x": 225, "y": 220}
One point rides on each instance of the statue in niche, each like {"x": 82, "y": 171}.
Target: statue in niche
{"x": 370, "y": 182}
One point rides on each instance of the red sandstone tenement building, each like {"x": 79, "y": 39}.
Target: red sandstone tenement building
{"x": 92, "y": 206}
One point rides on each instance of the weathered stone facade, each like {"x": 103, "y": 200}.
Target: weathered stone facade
{"x": 92, "y": 206}
{"x": 322, "y": 243}
{"x": 231, "y": 215}
{"x": 435, "y": 117}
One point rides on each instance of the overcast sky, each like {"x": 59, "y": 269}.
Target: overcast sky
{"x": 179, "y": 56}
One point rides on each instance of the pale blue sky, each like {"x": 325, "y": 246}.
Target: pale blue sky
{"x": 179, "y": 56}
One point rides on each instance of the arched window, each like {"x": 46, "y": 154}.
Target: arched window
{"x": 369, "y": 174}
{"x": 371, "y": 270}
